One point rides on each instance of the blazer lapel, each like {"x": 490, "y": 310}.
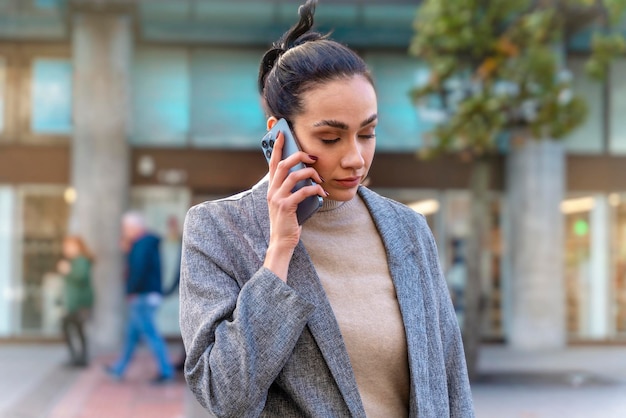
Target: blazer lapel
{"x": 407, "y": 274}
{"x": 322, "y": 325}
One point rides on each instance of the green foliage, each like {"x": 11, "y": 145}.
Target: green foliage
{"x": 498, "y": 66}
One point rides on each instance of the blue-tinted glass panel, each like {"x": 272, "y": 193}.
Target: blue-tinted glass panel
{"x": 3, "y": 83}
{"x": 51, "y": 96}
{"x": 226, "y": 107}
{"x": 617, "y": 125}
{"x": 400, "y": 126}
{"x": 47, "y": 4}
{"x": 587, "y": 138}
{"x": 161, "y": 97}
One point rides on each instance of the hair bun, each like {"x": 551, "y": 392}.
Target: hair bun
{"x": 293, "y": 36}
{"x": 298, "y": 34}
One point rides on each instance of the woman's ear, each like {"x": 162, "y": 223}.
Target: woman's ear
{"x": 271, "y": 121}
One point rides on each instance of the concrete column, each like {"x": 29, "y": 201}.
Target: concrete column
{"x": 599, "y": 304}
{"x": 535, "y": 188}
{"x": 102, "y": 56}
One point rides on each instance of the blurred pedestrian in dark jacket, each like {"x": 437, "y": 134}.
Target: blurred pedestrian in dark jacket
{"x": 78, "y": 296}
{"x": 143, "y": 289}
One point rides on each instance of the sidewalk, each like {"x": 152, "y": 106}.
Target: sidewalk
{"x": 581, "y": 382}
{"x": 587, "y": 382}
{"x": 57, "y": 391}
{"x": 24, "y": 368}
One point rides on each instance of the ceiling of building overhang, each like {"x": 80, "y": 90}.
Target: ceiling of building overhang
{"x": 359, "y": 23}
{"x": 369, "y": 23}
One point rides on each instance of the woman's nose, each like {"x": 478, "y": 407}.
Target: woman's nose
{"x": 353, "y": 157}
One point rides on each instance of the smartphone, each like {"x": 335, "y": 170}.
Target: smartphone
{"x": 311, "y": 204}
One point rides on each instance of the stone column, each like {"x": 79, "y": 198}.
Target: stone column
{"x": 102, "y": 48}
{"x": 535, "y": 188}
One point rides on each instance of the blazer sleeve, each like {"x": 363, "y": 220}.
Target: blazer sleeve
{"x": 459, "y": 392}
{"x": 239, "y": 321}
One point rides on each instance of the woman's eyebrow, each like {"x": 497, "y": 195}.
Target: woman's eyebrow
{"x": 340, "y": 125}
{"x": 332, "y": 123}
{"x": 369, "y": 120}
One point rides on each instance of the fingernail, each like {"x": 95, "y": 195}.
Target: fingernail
{"x": 327, "y": 194}
{"x": 313, "y": 157}
{"x": 322, "y": 178}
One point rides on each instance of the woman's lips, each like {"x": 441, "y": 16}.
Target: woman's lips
{"x": 349, "y": 182}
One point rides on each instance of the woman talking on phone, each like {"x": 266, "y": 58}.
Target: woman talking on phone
{"x": 345, "y": 315}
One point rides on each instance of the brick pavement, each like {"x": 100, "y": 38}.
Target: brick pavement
{"x": 95, "y": 395}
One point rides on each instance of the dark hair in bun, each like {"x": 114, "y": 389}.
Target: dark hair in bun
{"x": 300, "y": 60}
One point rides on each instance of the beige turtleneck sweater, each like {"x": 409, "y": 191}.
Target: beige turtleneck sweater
{"x": 350, "y": 259}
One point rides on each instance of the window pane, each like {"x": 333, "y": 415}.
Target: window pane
{"x": 7, "y": 259}
{"x": 226, "y": 108}
{"x": 400, "y": 128}
{"x": 587, "y": 138}
{"x": 47, "y": 4}
{"x": 617, "y": 125}
{"x": 51, "y": 96}
{"x": 577, "y": 213}
{"x": 44, "y": 217}
{"x": 618, "y": 244}
{"x": 3, "y": 83}
{"x": 161, "y": 97}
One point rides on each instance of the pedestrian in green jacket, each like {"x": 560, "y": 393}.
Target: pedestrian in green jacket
{"x": 78, "y": 296}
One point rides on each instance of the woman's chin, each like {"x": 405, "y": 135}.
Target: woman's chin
{"x": 343, "y": 195}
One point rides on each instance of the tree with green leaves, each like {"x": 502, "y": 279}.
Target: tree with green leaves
{"x": 498, "y": 74}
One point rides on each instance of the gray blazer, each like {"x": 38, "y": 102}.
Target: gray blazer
{"x": 257, "y": 346}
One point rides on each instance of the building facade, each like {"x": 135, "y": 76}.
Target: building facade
{"x": 153, "y": 105}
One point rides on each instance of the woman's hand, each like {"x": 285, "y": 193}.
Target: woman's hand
{"x": 282, "y": 203}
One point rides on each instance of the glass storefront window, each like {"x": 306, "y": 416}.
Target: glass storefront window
{"x": 400, "y": 127}
{"x": 7, "y": 259}
{"x": 577, "y": 213}
{"x": 618, "y": 253}
{"x": 225, "y": 105}
{"x": 457, "y": 211}
{"x": 587, "y": 267}
{"x": 51, "y": 96}
{"x": 617, "y": 100}
{"x": 587, "y": 138}
{"x": 161, "y": 97}
{"x": 44, "y": 214}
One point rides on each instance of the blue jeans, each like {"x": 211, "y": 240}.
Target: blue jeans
{"x": 142, "y": 309}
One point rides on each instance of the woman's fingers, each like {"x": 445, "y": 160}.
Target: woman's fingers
{"x": 277, "y": 152}
{"x": 281, "y": 171}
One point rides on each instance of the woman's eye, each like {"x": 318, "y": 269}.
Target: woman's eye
{"x": 367, "y": 136}
{"x": 330, "y": 141}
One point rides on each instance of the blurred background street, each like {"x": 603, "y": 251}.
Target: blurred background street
{"x": 576, "y": 382}
{"x": 152, "y": 105}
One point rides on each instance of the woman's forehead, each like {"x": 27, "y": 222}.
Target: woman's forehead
{"x": 350, "y": 102}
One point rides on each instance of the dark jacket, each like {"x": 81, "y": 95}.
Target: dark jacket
{"x": 144, "y": 266}
{"x": 78, "y": 291}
